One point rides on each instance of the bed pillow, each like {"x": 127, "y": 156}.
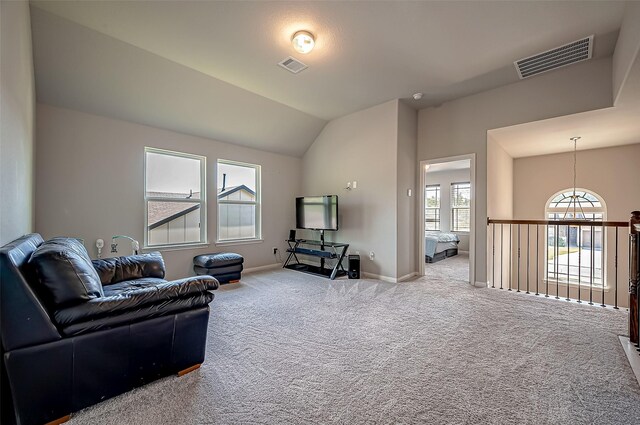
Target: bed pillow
{"x": 65, "y": 272}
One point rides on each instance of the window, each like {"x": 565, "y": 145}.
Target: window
{"x": 175, "y": 198}
{"x": 238, "y": 201}
{"x": 460, "y": 207}
{"x": 574, "y": 253}
{"x": 432, "y": 207}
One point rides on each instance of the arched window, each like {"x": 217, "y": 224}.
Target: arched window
{"x": 574, "y": 253}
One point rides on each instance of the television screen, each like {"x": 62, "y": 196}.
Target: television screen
{"x": 317, "y": 212}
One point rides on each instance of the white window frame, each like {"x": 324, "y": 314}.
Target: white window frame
{"x": 453, "y": 208}
{"x": 257, "y": 203}
{"x": 587, "y": 210}
{"x": 203, "y": 199}
{"x": 438, "y": 208}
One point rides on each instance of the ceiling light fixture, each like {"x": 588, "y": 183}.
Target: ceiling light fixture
{"x": 574, "y": 198}
{"x": 303, "y": 41}
{"x": 417, "y": 96}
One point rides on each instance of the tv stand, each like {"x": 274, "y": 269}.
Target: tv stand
{"x": 317, "y": 249}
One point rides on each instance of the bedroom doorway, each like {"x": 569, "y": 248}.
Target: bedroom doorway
{"x": 447, "y": 221}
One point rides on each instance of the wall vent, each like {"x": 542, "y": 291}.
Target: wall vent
{"x": 568, "y": 54}
{"x": 292, "y": 65}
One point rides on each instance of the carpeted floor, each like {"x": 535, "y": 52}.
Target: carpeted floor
{"x": 454, "y": 269}
{"x": 289, "y": 348}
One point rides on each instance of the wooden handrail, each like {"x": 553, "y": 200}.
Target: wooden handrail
{"x": 562, "y": 222}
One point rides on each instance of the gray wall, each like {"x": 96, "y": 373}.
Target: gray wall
{"x": 16, "y": 122}
{"x": 407, "y": 147}
{"x": 609, "y": 172}
{"x": 444, "y": 179}
{"x": 362, "y": 147}
{"x": 460, "y": 127}
{"x": 626, "y": 47}
{"x": 90, "y": 184}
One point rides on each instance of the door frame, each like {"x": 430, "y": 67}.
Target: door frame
{"x": 421, "y": 216}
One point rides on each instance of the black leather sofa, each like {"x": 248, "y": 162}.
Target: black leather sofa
{"x": 70, "y": 341}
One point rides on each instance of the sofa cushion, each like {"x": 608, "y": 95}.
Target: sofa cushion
{"x": 114, "y": 270}
{"x": 65, "y": 272}
{"x": 130, "y": 297}
{"x": 138, "y": 314}
{"x": 128, "y": 285}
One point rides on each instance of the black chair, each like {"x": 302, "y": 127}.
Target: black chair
{"x": 67, "y": 345}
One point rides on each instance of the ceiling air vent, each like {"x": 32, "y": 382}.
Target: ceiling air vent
{"x": 568, "y": 54}
{"x": 292, "y": 65}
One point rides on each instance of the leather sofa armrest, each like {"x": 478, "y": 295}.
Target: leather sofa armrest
{"x": 119, "y": 269}
{"x": 127, "y": 300}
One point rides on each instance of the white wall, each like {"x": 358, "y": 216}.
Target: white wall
{"x": 89, "y": 182}
{"x": 16, "y": 121}
{"x": 407, "y": 230}
{"x": 609, "y": 172}
{"x": 363, "y": 147}
{"x": 444, "y": 179}
{"x": 627, "y": 47}
{"x": 499, "y": 206}
{"x": 460, "y": 127}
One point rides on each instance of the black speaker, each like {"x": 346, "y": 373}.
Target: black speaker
{"x": 354, "y": 267}
{"x": 292, "y": 235}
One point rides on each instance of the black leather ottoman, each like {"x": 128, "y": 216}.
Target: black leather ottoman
{"x": 224, "y": 266}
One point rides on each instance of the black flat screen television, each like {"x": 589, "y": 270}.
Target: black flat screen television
{"x": 317, "y": 212}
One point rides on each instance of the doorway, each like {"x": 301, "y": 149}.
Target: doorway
{"x": 447, "y": 218}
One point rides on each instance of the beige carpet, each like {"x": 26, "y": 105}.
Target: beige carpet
{"x": 289, "y": 348}
{"x": 453, "y": 269}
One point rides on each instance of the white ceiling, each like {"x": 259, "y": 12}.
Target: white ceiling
{"x": 209, "y": 68}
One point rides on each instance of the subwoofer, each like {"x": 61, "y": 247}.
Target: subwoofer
{"x": 354, "y": 267}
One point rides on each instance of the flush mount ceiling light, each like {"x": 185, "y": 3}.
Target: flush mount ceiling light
{"x": 303, "y": 41}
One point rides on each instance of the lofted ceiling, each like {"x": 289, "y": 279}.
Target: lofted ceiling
{"x": 210, "y": 68}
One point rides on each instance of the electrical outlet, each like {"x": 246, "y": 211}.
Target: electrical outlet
{"x": 354, "y": 185}
{"x": 372, "y": 255}
{"x": 275, "y": 250}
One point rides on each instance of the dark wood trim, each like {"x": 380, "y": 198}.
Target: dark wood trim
{"x": 633, "y": 318}
{"x": 59, "y": 420}
{"x": 585, "y": 223}
{"x": 189, "y": 369}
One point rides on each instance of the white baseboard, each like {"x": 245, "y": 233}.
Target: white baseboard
{"x": 632, "y": 355}
{"x": 262, "y": 268}
{"x": 380, "y": 277}
{"x": 407, "y": 277}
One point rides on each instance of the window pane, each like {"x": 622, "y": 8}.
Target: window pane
{"x": 236, "y": 221}
{"x": 173, "y": 222}
{"x": 232, "y": 176}
{"x": 170, "y": 176}
{"x": 461, "y": 195}
{"x": 574, "y": 253}
{"x": 461, "y": 219}
{"x": 238, "y": 208}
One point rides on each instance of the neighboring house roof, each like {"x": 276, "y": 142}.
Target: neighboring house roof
{"x": 232, "y": 189}
{"x": 159, "y": 213}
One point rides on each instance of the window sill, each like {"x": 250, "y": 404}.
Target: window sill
{"x": 239, "y": 242}
{"x": 176, "y": 247}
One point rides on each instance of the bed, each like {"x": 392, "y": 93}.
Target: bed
{"x": 440, "y": 245}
